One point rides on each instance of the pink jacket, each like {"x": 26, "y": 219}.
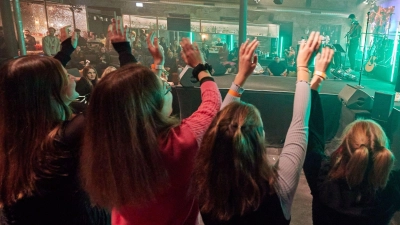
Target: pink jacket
{"x": 176, "y": 205}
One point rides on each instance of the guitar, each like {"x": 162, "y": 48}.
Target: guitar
{"x": 369, "y": 67}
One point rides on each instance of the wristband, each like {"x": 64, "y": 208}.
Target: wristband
{"x": 201, "y": 67}
{"x": 234, "y": 93}
{"x": 320, "y": 74}
{"x": 237, "y": 88}
{"x": 157, "y": 67}
{"x": 302, "y": 81}
{"x": 204, "y": 79}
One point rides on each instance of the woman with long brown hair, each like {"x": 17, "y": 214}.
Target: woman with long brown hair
{"x": 139, "y": 159}
{"x": 356, "y": 184}
{"x": 233, "y": 179}
{"x": 39, "y": 144}
{"x": 88, "y": 80}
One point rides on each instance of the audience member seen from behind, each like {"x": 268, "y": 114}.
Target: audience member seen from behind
{"x": 145, "y": 156}
{"x": 88, "y": 80}
{"x": 356, "y": 184}
{"x": 107, "y": 71}
{"x": 233, "y": 180}
{"x": 38, "y": 175}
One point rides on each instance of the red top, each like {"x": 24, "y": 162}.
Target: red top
{"x": 176, "y": 205}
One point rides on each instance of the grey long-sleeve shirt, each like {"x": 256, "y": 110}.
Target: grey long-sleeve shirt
{"x": 293, "y": 153}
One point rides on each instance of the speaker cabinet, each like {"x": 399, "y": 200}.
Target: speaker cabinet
{"x": 355, "y": 98}
{"x": 278, "y": 2}
{"x": 186, "y": 79}
{"x": 383, "y": 106}
{"x": 383, "y": 73}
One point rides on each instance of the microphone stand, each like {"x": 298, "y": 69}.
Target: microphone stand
{"x": 359, "y": 86}
{"x": 347, "y": 50}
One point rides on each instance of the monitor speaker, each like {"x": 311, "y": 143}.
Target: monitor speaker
{"x": 355, "y": 98}
{"x": 186, "y": 78}
{"x": 383, "y": 106}
{"x": 278, "y": 2}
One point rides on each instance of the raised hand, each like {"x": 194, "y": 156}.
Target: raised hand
{"x": 155, "y": 49}
{"x": 116, "y": 32}
{"x": 321, "y": 64}
{"x": 307, "y": 49}
{"x": 191, "y": 53}
{"x": 247, "y": 61}
{"x": 323, "y": 59}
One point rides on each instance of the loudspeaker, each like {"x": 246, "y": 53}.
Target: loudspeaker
{"x": 186, "y": 78}
{"x": 382, "y": 72}
{"x": 383, "y": 106}
{"x": 355, "y": 98}
{"x": 278, "y": 2}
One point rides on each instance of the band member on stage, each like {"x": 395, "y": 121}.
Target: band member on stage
{"x": 290, "y": 55}
{"x": 353, "y": 40}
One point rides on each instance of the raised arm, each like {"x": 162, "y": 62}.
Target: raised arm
{"x": 316, "y": 141}
{"x": 247, "y": 64}
{"x": 200, "y": 120}
{"x": 293, "y": 153}
{"x": 118, "y": 38}
{"x": 67, "y": 47}
{"x": 157, "y": 52}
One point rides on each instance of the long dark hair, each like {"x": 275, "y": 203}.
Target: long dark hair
{"x": 86, "y": 77}
{"x": 232, "y": 174}
{"x": 124, "y": 147}
{"x": 32, "y": 108}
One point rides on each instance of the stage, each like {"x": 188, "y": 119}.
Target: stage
{"x": 274, "y": 96}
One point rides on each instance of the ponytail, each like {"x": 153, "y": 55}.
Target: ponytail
{"x": 357, "y": 165}
{"x": 383, "y": 164}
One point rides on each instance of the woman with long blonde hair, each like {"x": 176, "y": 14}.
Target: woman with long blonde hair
{"x": 356, "y": 184}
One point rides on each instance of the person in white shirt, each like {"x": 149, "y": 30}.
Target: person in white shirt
{"x": 51, "y": 44}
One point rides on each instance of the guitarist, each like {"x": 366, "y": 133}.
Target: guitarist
{"x": 353, "y": 37}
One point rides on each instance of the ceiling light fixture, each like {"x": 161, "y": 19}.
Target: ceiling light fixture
{"x": 139, "y": 4}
